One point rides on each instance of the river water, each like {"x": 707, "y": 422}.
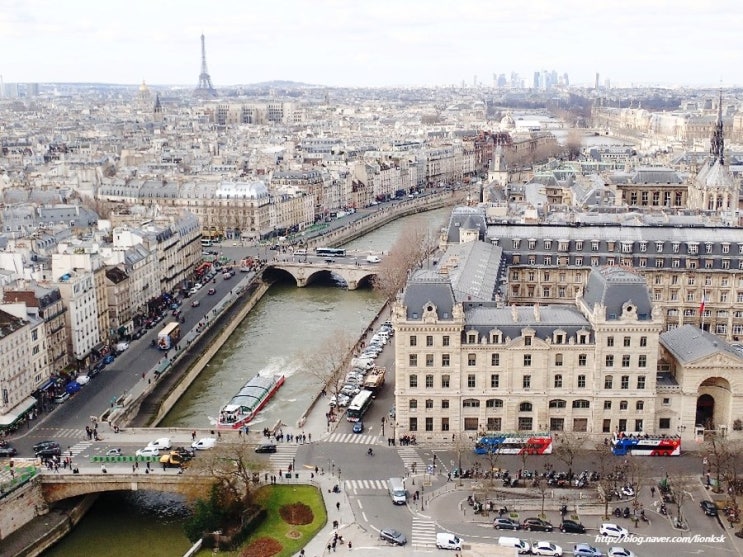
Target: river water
{"x": 285, "y": 325}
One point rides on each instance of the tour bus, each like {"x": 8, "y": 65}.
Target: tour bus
{"x": 515, "y": 443}
{"x": 330, "y": 252}
{"x": 640, "y": 444}
{"x": 359, "y": 405}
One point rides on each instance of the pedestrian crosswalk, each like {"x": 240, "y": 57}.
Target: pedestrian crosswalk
{"x": 354, "y": 486}
{"x": 77, "y": 448}
{"x": 57, "y": 433}
{"x": 352, "y": 438}
{"x": 412, "y": 461}
{"x": 284, "y": 456}
{"x": 423, "y": 532}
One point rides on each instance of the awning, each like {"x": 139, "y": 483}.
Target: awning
{"x": 48, "y": 385}
{"x": 17, "y": 412}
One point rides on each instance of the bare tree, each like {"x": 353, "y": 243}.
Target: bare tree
{"x": 462, "y": 447}
{"x": 409, "y": 251}
{"x": 608, "y": 471}
{"x": 722, "y": 457}
{"x": 328, "y": 364}
{"x": 679, "y": 487}
{"x": 235, "y": 469}
{"x": 566, "y": 448}
{"x": 574, "y": 144}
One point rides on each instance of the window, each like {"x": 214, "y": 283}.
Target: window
{"x": 582, "y": 360}
{"x": 445, "y": 380}
{"x": 526, "y": 381}
{"x": 638, "y": 425}
{"x": 625, "y": 381}
{"x": 413, "y": 404}
{"x": 495, "y": 359}
{"x": 623, "y": 405}
{"x": 471, "y": 382}
{"x": 580, "y": 424}
{"x": 640, "y": 405}
{"x": 429, "y": 360}
{"x": 527, "y": 341}
{"x": 429, "y": 403}
{"x": 664, "y": 423}
{"x": 558, "y": 381}
{"x": 413, "y": 360}
{"x": 445, "y": 404}
{"x": 666, "y": 402}
{"x": 606, "y": 426}
{"x": 494, "y": 380}
{"x": 643, "y": 341}
{"x": 607, "y": 405}
{"x": 625, "y": 360}
{"x": 445, "y": 340}
{"x": 429, "y": 340}
{"x": 627, "y": 341}
{"x": 558, "y": 360}
{"x": 582, "y": 403}
{"x": 494, "y": 403}
{"x": 413, "y": 424}
{"x": 413, "y": 381}
{"x": 608, "y": 382}
{"x": 641, "y": 382}
{"x": 471, "y": 360}
{"x": 525, "y": 407}
{"x": 494, "y": 424}
{"x": 557, "y": 403}
{"x": 609, "y": 341}
{"x": 470, "y": 424}
{"x": 581, "y": 381}
{"x": 429, "y": 381}
{"x": 642, "y": 361}
{"x": 413, "y": 340}
{"x": 444, "y": 424}
{"x": 609, "y": 360}
{"x": 445, "y": 360}
{"x": 472, "y": 338}
{"x": 527, "y": 360}
{"x": 470, "y": 403}
{"x": 525, "y": 423}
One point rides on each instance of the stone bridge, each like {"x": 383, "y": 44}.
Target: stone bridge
{"x": 55, "y": 487}
{"x": 304, "y": 272}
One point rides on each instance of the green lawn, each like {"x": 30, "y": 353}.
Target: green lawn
{"x": 272, "y": 498}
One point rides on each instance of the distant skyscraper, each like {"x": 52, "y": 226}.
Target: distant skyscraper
{"x": 537, "y": 80}
{"x": 205, "y": 87}
{"x": 596, "y": 84}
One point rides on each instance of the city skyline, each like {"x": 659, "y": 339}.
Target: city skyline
{"x": 371, "y": 44}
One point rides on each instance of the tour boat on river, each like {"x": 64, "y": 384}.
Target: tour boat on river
{"x": 246, "y": 404}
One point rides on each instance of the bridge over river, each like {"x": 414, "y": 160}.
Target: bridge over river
{"x": 304, "y": 272}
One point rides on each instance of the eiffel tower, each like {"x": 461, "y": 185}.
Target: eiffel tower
{"x": 205, "y": 87}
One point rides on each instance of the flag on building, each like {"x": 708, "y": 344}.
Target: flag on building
{"x": 701, "y": 306}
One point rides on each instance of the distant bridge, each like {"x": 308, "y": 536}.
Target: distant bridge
{"x": 56, "y": 487}
{"x": 305, "y": 272}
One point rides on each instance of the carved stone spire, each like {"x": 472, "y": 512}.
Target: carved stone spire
{"x": 717, "y": 142}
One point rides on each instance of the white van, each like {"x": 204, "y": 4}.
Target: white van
{"x": 521, "y": 545}
{"x": 445, "y": 540}
{"x": 398, "y": 493}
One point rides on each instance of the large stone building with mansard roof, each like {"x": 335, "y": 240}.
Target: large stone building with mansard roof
{"x": 468, "y": 365}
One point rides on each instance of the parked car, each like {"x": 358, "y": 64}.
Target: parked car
{"x": 121, "y": 346}
{"x": 160, "y": 444}
{"x": 113, "y": 452}
{"x": 536, "y": 524}
{"x": 82, "y": 379}
{"x": 393, "y": 536}
{"x": 585, "y": 550}
{"x": 266, "y": 448}
{"x": 41, "y": 445}
{"x": 358, "y": 427}
{"x": 204, "y": 443}
{"x": 506, "y": 524}
{"x": 708, "y": 507}
{"x": 620, "y": 552}
{"x": 61, "y": 398}
{"x": 572, "y": 527}
{"x": 612, "y": 530}
{"x": 108, "y": 360}
{"x": 7, "y": 451}
{"x": 49, "y": 451}
{"x": 148, "y": 451}
{"x": 546, "y": 548}
{"x": 195, "y": 303}
{"x": 211, "y": 291}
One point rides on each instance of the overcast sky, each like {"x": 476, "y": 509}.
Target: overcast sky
{"x": 371, "y": 42}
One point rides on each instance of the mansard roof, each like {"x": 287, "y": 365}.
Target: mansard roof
{"x": 613, "y": 288}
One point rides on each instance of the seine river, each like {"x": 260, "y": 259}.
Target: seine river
{"x": 285, "y": 325}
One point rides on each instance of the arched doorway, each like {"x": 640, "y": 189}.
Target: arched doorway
{"x": 706, "y": 411}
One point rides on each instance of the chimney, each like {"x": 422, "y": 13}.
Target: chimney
{"x": 514, "y": 313}
{"x": 537, "y": 313}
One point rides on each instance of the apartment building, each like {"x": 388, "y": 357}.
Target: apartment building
{"x": 17, "y": 378}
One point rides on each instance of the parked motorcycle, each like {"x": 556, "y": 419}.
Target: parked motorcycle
{"x": 617, "y": 512}
{"x": 663, "y": 510}
{"x": 626, "y": 512}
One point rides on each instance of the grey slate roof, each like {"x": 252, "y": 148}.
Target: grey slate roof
{"x": 545, "y": 320}
{"x": 474, "y": 269}
{"x": 689, "y": 344}
{"x": 613, "y": 287}
{"x": 424, "y": 289}
{"x": 469, "y": 218}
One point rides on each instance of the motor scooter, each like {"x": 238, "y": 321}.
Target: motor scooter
{"x": 626, "y": 512}
{"x": 617, "y": 512}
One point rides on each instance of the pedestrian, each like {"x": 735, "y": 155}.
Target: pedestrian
{"x": 193, "y": 435}
{"x": 335, "y": 542}
{"x": 134, "y": 469}
{"x": 349, "y": 544}
{"x": 240, "y": 432}
{"x": 338, "y": 505}
{"x": 652, "y": 491}
{"x": 330, "y": 547}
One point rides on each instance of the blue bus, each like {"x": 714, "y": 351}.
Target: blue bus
{"x": 359, "y": 405}
{"x": 330, "y": 252}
